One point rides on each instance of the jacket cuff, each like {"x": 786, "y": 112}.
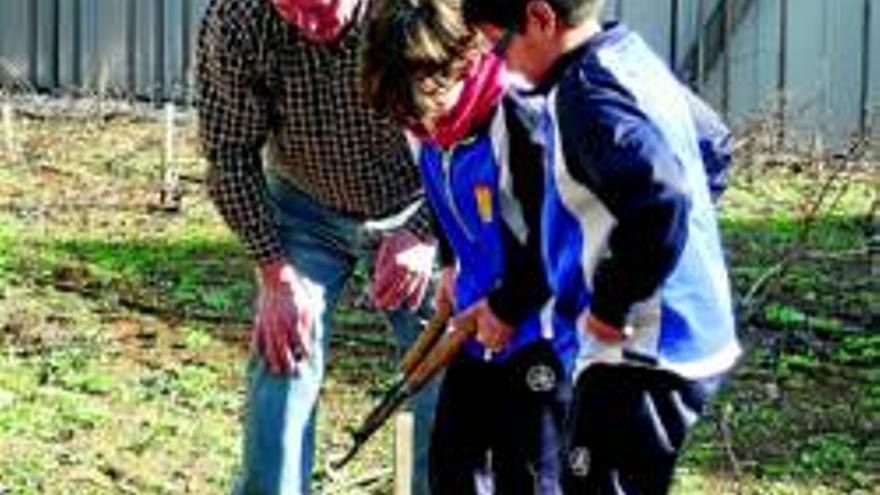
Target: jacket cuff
{"x": 610, "y": 310}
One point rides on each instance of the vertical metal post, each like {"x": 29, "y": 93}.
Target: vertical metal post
{"x": 618, "y": 10}
{"x": 673, "y": 34}
{"x": 159, "y": 52}
{"x": 782, "y": 67}
{"x": 185, "y": 47}
{"x": 131, "y": 41}
{"x": 865, "y": 116}
{"x": 726, "y": 57}
{"x": 701, "y": 45}
{"x": 77, "y": 26}
{"x": 33, "y": 22}
{"x": 55, "y": 46}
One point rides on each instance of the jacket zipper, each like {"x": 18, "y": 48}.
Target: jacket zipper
{"x": 450, "y": 197}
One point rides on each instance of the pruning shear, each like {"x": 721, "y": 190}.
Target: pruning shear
{"x": 433, "y": 350}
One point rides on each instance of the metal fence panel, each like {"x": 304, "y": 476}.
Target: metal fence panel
{"x": 110, "y": 64}
{"x": 611, "y": 10}
{"x": 138, "y": 48}
{"x": 746, "y": 63}
{"x": 687, "y": 33}
{"x": 145, "y": 45}
{"x": 871, "y": 103}
{"x": 652, "y": 19}
{"x": 821, "y": 53}
{"x": 67, "y": 49}
{"x": 754, "y": 58}
{"x": 824, "y": 68}
{"x": 768, "y": 17}
{"x": 844, "y": 52}
{"x": 46, "y": 32}
{"x": 13, "y": 44}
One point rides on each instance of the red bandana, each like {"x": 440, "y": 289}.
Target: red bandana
{"x": 483, "y": 89}
{"x": 319, "y": 20}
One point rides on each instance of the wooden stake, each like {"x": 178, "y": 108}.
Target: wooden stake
{"x": 403, "y": 453}
{"x": 169, "y": 134}
{"x": 170, "y": 180}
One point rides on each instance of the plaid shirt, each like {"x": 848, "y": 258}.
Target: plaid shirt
{"x": 265, "y": 91}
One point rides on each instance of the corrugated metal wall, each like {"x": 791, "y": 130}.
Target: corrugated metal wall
{"x": 822, "y": 55}
{"x": 813, "y": 61}
{"x": 123, "y": 47}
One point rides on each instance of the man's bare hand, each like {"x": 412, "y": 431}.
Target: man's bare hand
{"x": 492, "y": 332}
{"x": 403, "y": 271}
{"x": 283, "y": 322}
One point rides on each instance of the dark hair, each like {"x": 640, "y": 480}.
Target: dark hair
{"x": 511, "y": 14}
{"x": 409, "y": 41}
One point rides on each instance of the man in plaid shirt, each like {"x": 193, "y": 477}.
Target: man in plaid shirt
{"x": 311, "y": 180}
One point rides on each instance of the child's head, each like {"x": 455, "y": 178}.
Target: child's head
{"x": 513, "y": 14}
{"x": 417, "y": 55}
{"x": 536, "y": 32}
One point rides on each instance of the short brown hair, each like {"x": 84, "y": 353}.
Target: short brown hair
{"x": 409, "y": 41}
{"x": 511, "y": 14}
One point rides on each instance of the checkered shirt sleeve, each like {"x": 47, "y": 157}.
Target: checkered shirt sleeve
{"x": 233, "y": 125}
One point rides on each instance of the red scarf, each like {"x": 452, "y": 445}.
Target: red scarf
{"x": 483, "y": 89}
{"x": 321, "y": 21}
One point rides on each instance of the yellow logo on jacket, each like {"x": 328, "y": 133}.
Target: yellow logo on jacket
{"x": 483, "y": 195}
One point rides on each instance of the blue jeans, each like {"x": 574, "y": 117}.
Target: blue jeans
{"x": 279, "y": 428}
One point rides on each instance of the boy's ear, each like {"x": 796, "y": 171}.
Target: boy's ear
{"x": 541, "y": 16}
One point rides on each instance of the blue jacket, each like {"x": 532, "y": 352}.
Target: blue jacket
{"x": 484, "y": 230}
{"x": 634, "y": 161}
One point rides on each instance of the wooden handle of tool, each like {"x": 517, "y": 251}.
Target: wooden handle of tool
{"x": 427, "y": 338}
{"x": 441, "y": 354}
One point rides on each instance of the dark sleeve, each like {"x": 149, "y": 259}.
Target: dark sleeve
{"x": 613, "y": 150}
{"x": 445, "y": 255}
{"x": 524, "y": 290}
{"x": 421, "y": 222}
{"x": 233, "y": 110}
{"x": 716, "y": 143}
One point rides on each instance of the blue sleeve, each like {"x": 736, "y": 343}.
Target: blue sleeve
{"x": 612, "y": 149}
{"x": 716, "y": 143}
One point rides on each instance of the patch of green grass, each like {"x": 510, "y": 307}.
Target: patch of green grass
{"x": 27, "y": 477}
{"x": 814, "y": 265}
{"x": 829, "y": 453}
{"x": 122, "y": 330}
{"x": 9, "y": 232}
{"x": 196, "y": 337}
{"x": 858, "y": 350}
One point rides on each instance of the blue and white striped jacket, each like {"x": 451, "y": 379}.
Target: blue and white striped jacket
{"x": 629, "y": 227}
